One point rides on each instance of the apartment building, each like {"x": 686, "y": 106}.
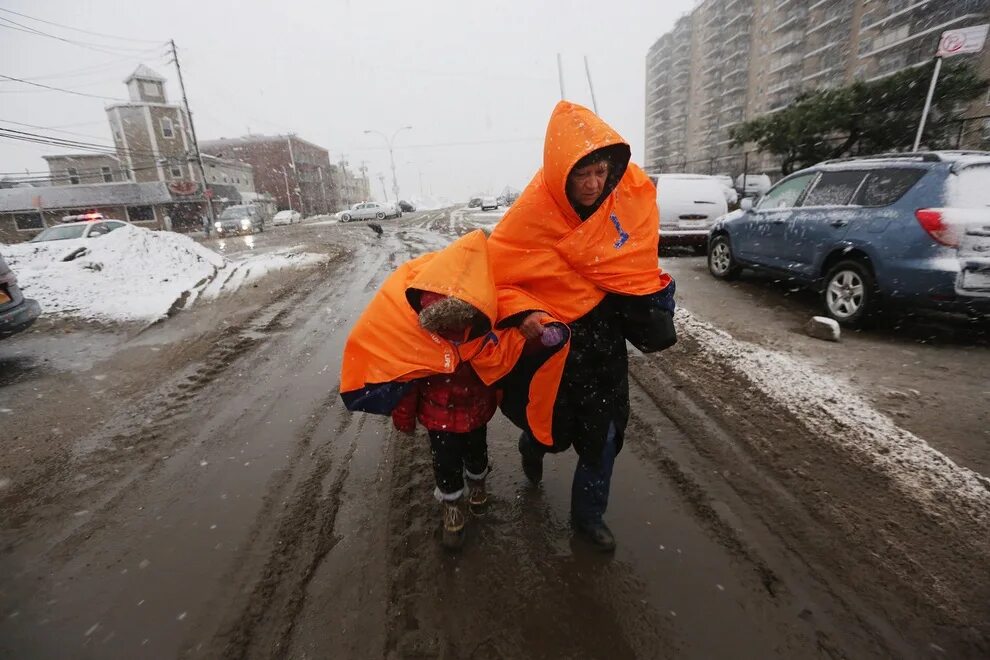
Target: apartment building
{"x": 295, "y": 172}
{"x": 729, "y": 61}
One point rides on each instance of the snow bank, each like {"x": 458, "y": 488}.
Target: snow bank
{"x": 824, "y": 404}
{"x": 428, "y": 203}
{"x": 131, "y": 274}
{"x": 134, "y": 274}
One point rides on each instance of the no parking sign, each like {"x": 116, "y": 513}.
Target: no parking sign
{"x": 962, "y": 41}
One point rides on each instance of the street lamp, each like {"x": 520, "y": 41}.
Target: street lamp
{"x": 391, "y": 157}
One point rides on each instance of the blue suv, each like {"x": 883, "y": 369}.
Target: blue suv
{"x": 908, "y": 228}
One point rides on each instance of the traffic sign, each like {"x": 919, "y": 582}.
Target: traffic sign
{"x": 962, "y": 41}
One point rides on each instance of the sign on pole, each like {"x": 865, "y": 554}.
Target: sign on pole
{"x": 963, "y": 41}
{"x": 953, "y": 42}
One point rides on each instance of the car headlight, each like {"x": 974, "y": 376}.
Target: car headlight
{"x": 218, "y": 225}
{"x": 245, "y": 223}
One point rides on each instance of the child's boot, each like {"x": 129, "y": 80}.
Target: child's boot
{"x": 453, "y": 524}
{"x": 477, "y": 495}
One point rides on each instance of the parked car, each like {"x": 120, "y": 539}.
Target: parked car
{"x": 240, "y": 219}
{"x": 366, "y": 211}
{"x": 17, "y": 313}
{"x": 288, "y": 217}
{"x": 752, "y": 185}
{"x": 689, "y": 206}
{"x": 488, "y": 203}
{"x": 907, "y": 228}
{"x": 86, "y": 229}
{"x": 396, "y": 209}
{"x": 407, "y": 207}
{"x": 474, "y": 203}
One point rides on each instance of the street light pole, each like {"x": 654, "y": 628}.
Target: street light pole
{"x": 391, "y": 157}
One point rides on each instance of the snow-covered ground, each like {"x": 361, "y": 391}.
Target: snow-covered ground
{"x": 132, "y": 274}
{"x": 826, "y": 403}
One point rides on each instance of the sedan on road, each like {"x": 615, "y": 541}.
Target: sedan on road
{"x": 366, "y": 211}
{"x": 286, "y": 218}
{"x": 907, "y": 228}
{"x": 489, "y": 203}
{"x": 17, "y": 313}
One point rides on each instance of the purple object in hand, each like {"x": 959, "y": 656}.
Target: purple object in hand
{"x": 553, "y": 334}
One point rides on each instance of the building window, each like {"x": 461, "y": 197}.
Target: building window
{"x": 167, "y": 130}
{"x": 107, "y": 174}
{"x": 73, "y": 175}
{"x": 151, "y": 89}
{"x": 140, "y": 213}
{"x": 988, "y": 95}
{"x": 985, "y": 132}
{"x": 28, "y": 221}
{"x": 176, "y": 171}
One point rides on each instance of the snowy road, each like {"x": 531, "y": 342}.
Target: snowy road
{"x": 199, "y": 492}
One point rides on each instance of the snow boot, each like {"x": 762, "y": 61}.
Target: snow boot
{"x": 598, "y": 533}
{"x": 453, "y": 524}
{"x": 477, "y": 496}
{"x": 532, "y": 460}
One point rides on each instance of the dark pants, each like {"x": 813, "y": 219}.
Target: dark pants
{"x": 592, "y": 479}
{"x": 457, "y": 453}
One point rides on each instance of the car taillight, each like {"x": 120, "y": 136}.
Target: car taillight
{"x": 932, "y": 221}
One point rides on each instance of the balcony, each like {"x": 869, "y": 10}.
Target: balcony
{"x": 788, "y": 42}
{"x": 781, "y": 4}
{"x": 819, "y": 51}
{"x": 736, "y": 35}
{"x": 786, "y": 63}
{"x": 735, "y": 19}
{"x": 781, "y": 86}
{"x": 824, "y": 24}
{"x": 789, "y": 21}
{"x": 818, "y": 74}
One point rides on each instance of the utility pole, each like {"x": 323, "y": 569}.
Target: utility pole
{"x": 560, "y": 75}
{"x": 381, "y": 177}
{"x": 288, "y": 193}
{"x": 192, "y": 129}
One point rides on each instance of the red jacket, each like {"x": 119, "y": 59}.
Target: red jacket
{"x": 456, "y": 403}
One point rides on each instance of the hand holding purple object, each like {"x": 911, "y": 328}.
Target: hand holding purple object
{"x": 553, "y": 334}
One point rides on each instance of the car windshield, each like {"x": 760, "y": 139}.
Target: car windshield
{"x": 283, "y": 214}
{"x": 236, "y": 212}
{"x": 60, "y": 233}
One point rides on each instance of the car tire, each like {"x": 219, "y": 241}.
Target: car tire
{"x": 345, "y": 218}
{"x": 850, "y": 294}
{"x": 380, "y": 215}
{"x": 721, "y": 263}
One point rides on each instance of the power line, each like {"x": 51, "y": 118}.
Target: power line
{"x": 50, "y": 128}
{"x": 74, "y": 144}
{"x": 109, "y": 50}
{"x": 69, "y": 27}
{"x": 61, "y": 89}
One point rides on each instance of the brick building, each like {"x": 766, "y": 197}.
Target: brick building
{"x": 75, "y": 169}
{"x": 297, "y": 173}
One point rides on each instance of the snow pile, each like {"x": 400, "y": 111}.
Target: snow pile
{"x": 131, "y": 274}
{"x": 249, "y": 270}
{"x": 825, "y": 404}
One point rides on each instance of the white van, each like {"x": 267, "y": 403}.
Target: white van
{"x": 688, "y": 208}
{"x": 753, "y": 185}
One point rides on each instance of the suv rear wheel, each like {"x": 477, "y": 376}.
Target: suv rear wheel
{"x": 720, "y": 261}
{"x": 850, "y": 294}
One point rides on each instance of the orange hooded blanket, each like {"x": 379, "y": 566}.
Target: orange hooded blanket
{"x": 387, "y": 347}
{"x": 546, "y": 258}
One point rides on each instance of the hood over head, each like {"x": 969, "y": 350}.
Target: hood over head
{"x": 575, "y": 132}
{"x": 461, "y": 270}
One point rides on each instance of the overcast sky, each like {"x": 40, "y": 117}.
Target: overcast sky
{"x": 457, "y": 71}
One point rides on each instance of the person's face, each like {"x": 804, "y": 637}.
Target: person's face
{"x": 586, "y": 184}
